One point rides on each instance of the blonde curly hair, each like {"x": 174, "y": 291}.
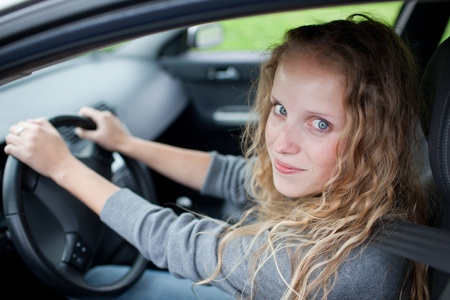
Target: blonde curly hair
{"x": 376, "y": 178}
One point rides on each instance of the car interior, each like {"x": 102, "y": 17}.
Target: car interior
{"x": 168, "y": 80}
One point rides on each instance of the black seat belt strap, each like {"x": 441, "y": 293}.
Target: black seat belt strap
{"x": 428, "y": 245}
{"x": 445, "y": 294}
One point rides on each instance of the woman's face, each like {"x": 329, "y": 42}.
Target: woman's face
{"x": 304, "y": 126}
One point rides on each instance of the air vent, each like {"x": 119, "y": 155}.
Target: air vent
{"x": 68, "y": 132}
{"x": 103, "y": 106}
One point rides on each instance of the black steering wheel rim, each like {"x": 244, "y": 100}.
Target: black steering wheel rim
{"x": 62, "y": 278}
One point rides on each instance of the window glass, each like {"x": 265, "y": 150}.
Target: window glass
{"x": 260, "y": 32}
{"x": 446, "y": 32}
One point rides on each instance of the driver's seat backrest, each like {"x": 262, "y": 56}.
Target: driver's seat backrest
{"x": 436, "y": 87}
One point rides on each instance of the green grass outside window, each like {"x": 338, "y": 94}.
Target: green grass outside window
{"x": 260, "y": 32}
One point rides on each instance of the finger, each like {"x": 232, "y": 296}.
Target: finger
{"x": 23, "y": 126}
{"x": 11, "y": 138}
{"x": 89, "y": 112}
{"x": 81, "y": 132}
{"x": 12, "y": 144}
{"x": 17, "y": 129}
{"x": 86, "y": 133}
{"x": 39, "y": 121}
{"x": 10, "y": 149}
{"x": 14, "y": 128}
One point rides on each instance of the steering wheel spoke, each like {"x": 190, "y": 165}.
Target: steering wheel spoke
{"x": 77, "y": 252}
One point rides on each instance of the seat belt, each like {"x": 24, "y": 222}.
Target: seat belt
{"x": 445, "y": 294}
{"x": 427, "y": 245}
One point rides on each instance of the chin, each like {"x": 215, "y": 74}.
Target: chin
{"x": 291, "y": 190}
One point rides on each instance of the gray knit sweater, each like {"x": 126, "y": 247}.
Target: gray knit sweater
{"x": 187, "y": 246}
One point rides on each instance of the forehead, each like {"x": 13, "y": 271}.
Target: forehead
{"x": 302, "y": 73}
{"x": 304, "y": 85}
{"x": 311, "y": 63}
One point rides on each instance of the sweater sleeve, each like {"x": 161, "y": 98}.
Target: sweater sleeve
{"x": 188, "y": 247}
{"x": 228, "y": 178}
{"x": 185, "y": 245}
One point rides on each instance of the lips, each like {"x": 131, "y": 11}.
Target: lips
{"x": 285, "y": 168}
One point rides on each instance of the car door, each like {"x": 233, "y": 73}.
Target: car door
{"x": 218, "y": 80}
{"x": 218, "y": 85}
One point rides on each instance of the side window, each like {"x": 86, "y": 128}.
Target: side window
{"x": 446, "y": 33}
{"x": 261, "y": 32}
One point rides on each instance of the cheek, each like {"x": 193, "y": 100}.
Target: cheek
{"x": 271, "y": 132}
{"x": 325, "y": 158}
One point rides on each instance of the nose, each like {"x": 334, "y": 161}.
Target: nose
{"x": 288, "y": 142}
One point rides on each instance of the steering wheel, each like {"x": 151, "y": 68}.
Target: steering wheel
{"x": 57, "y": 235}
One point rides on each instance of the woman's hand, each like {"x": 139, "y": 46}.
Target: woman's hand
{"x": 39, "y": 145}
{"x": 110, "y": 133}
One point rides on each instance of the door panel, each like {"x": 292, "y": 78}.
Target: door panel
{"x": 218, "y": 84}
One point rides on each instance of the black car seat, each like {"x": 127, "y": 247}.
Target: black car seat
{"x": 431, "y": 245}
{"x": 436, "y": 88}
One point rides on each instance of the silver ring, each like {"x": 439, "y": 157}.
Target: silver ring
{"x": 19, "y": 131}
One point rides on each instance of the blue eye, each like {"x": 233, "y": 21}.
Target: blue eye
{"x": 320, "y": 124}
{"x": 280, "y": 110}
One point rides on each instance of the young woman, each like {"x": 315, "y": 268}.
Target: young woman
{"x": 331, "y": 161}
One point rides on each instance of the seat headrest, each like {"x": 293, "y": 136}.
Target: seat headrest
{"x": 436, "y": 86}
